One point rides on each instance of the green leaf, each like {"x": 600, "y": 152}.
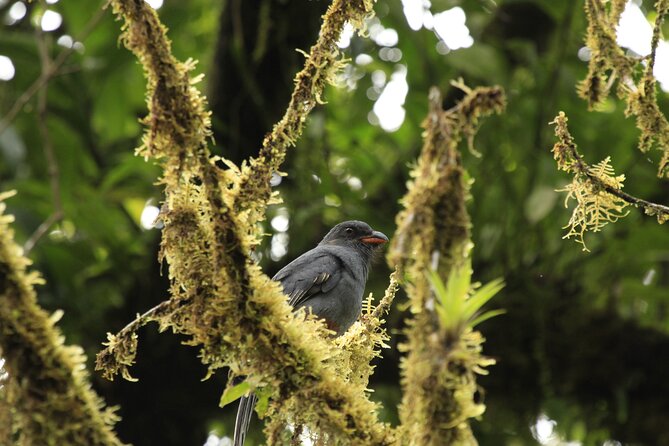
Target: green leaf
{"x": 459, "y": 281}
{"x": 234, "y": 393}
{"x": 485, "y": 316}
{"x": 263, "y": 401}
{"x": 481, "y": 297}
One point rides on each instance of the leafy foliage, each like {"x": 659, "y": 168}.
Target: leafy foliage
{"x": 458, "y": 307}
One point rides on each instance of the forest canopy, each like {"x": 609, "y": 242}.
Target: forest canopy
{"x": 545, "y": 122}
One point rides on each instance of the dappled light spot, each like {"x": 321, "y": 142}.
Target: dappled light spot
{"x": 390, "y": 54}
{"x": 214, "y": 440}
{"x": 16, "y": 12}
{"x": 149, "y": 215}
{"x": 450, "y": 27}
{"x": 388, "y": 108}
{"x": 414, "y": 10}
{"x": 648, "y": 277}
{"x": 155, "y": 4}
{"x": 65, "y": 41}
{"x": 386, "y": 37}
{"x": 543, "y": 430}
{"x": 7, "y": 69}
{"x": 51, "y": 21}
{"x": 442, "y": 48}
{"x": 363, "y": 59}
{"x": 275, "y": 180}
{"x": 346, "y": 35}
{"x": 332, "y": 200}
{"x": 584, "y": 53}
{"x": 635, "y": 33}
{"x": 279, "y": 246}
{"x": 281, "y": 222}
{"x": 354, "y": 183}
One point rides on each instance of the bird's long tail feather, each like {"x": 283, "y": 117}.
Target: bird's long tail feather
{"x": 244, "y": 413}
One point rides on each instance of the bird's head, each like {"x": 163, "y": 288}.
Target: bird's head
{"x": 356, "y": 234}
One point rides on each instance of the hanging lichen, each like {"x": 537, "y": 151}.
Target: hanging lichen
{"x": 596, "y": 189}
{"x": 45, "y": 394}
{"x": 439, "y": 370}
{"x": 609, "y": 63}
{"x": 595, "y": 208}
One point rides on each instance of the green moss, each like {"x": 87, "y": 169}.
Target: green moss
{"x": 438, "y": 371}
{"x": 609, "y": 63}
{"x": 46, "y": 398}
{"x": 597, "y": 190}
{"x": 220, "y": 299}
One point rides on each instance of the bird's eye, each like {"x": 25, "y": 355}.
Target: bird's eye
{"x": 349, "y": 230}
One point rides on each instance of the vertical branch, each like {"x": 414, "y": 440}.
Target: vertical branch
{"x": 47, "y": 145}
{"x": 321, "y": 64}
{"x": 610, "y": 63}
{"x": 47, "y": 386}
{"x": 438, "y": 372}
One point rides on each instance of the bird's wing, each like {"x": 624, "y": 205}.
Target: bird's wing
{"x": 314, "y": 272}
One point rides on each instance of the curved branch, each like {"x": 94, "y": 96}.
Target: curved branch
{"x": 236, "y": 314}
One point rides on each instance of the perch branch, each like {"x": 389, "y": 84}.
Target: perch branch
{"x": 236, "y": 314}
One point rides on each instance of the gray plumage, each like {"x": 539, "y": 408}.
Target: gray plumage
{"x": 330, "y": 281}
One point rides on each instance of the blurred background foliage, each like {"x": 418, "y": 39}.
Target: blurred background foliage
{"x": 583, "y": 351}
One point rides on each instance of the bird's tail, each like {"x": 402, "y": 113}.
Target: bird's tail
{"x": 244, "y": 413}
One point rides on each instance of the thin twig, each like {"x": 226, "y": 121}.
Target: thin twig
{"x": 583, "y": 168}
{"x": 40, "y": 231}
{"x": 153, "y": 314}
{"x": 47, "y": 146}
{"x": 54, "y": 68}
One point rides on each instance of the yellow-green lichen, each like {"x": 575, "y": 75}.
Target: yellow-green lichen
{"x": 46, "y": 395}
{"x": 220, "y": 299}
{"x": 438, "y": 371}
{"x": 609, "y": 63}
{"x": 596, "y": 189}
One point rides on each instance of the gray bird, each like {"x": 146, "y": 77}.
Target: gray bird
{"x": 330, "y": 281}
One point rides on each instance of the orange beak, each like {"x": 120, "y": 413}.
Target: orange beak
{"x": 377, "y": 238}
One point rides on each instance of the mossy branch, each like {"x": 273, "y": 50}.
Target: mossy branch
{"x": 596, "y": 189}
{"x": 322, "y": 63}
{"x": 439, "y": 370}
{"x": 220, "y": 298}
{"x": 47, "y": 389}
{"x": 610, "y": 63}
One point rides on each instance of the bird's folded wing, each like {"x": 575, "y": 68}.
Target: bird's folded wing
{"x": 315, "y": 272}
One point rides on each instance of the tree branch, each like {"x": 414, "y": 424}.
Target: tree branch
{"x": 47, "y": 384}
{"x": 439, "y": 372}
{"x": 47, "y": 145}
{"x": 236, "y": 314}
{"x": 570, "y": 160}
